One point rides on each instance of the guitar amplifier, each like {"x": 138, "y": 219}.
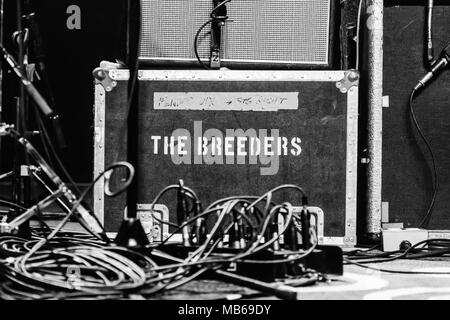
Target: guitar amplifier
{"x": 235, "y": 133}
{"x": 259, "y": 34}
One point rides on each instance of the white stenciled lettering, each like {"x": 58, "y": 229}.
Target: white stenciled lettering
{"x": 232, "y": 147}
{"x": 156, "y": 140}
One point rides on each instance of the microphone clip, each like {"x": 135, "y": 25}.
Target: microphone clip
{"x": 440, "y": 64}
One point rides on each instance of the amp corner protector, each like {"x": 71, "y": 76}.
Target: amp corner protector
{"x": 103, "y": 75}
{"x": 351, "y": 79}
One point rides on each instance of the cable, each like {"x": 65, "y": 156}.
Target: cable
{"x": 251, "y": 251}
{"x": 195, "y": 256}
{"x": 190, "y": 193}
{"x": 393, "y": 271}
{"x": 213, "y": 18}
{"x": 357, "y": 251}
{"x": 292, "y": 258}
{"x": 108, "y": 173}
{"x": 37, "y": 268}
{"x": 387, "y": 257}
{"x": 56, "y": 179}
{"x": 47, "y": 140}
{"x": 358, "y": 34}
{"x": 220, "y": 5}
{"x": 179, "y": 228}
{"x": 259, "y": 199}
{"x": 426, "y": 219}
{"x": 203, "y": 26}
{"x": 12, "y": 205}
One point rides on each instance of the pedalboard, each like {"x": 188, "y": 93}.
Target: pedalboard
{"x": 327, "y": 260}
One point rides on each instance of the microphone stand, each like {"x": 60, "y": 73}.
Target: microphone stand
{"x": 86, "y": 218}
{"x": 9, "y": 174}
{"x": 131, "y": 232}
{"x": 2, "y": 5}
{"x": 20, "y": 181}
{"x": 219, "y": 17}
{"x": 21, "y": 177}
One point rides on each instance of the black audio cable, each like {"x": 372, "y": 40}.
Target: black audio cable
{"x": 197, "y": 35}
{"x": 410, "y": 253}
{"x": 102, "y": 273}
{"x": 213, "y": 207}
{"x": 213, "y": 18}
{"x": 358, "y": 33}
{"x": 250, "y": 252}
{"x": 393, "y": 271}
{"x": 426, "y": 219}
{"x": 186, "y": 191}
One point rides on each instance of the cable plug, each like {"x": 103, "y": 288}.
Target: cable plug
{"x": 275, "y": 234}
{"x": 291, "y": 237}
{"x": 235, "y": 236}
{"x": 305, "y": 216}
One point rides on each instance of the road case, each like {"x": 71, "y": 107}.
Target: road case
{"x": 227, "y": 133}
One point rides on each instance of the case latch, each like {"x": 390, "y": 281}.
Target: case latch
{"x": 351, "y": 79}
{"x": 102, "y": 76}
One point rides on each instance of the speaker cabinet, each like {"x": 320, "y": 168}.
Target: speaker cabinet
{"x": 260, "y": 34}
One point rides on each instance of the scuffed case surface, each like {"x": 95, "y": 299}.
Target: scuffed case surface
{"x": 320, "y": 120}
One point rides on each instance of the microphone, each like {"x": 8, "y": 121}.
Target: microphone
{"x": 16, "y": 36}
{"x": 29, "y": 87}
{"x": 36, "y": 97}
{"x": 218, "y": 16}
{"x": 440, "y": 64}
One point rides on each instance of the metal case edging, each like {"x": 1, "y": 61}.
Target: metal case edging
{"x": 236, "y": 75}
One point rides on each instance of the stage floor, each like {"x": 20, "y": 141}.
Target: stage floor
{"x": 356, "y": 284}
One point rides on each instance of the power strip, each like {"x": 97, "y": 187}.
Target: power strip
{"x": 324, "y": 259}
{"x": 393, "y": 237}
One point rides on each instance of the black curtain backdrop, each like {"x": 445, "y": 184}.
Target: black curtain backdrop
{"x": 407, "y": 184}
{"x": 71, "y": 56}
